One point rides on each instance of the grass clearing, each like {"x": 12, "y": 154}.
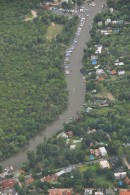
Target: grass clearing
{"x": 102, "y": 180}
{"x": 102, "y": 111}
{"x": 93, "y": 167}
{"x": 83, "y": 168}
{"x": 53, "y": 30}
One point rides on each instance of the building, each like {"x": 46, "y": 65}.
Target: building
{"x": 7, "y": 184}
{"x": 113, "y": 72}
{"x": 72, "y": 147}
{"x": 108, "y": 21}
{"x": 119, "y": 63}
{"x": 69, "y": 133}
{"x": 106, "y": 32}
{"x": 100, "y": 79}
{"x": 99, "y": 71}
{"x": 94, "y": 62}
{"x": 120, "y": 175}
{"x": 124, "y": 192}
{"x": 127, "y": 181}
{"x": 104, "y": 164}
{"x": 29, "y": 180}
{"x": 60, "y": 191}
{"x": 99, "y": 48}
{"x": 121, "y": 72}
{"x": 88, "y": 109}
{"x": 88, "y": 192}
{"x": 63, "y": 135}
{"x": 49, "y": 178}
{"x": 103, "y": 151}
{"x": 99, "y": 193}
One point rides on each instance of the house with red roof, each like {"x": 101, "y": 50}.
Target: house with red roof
{"x": 7, "y": 184}
{"x": 29, "y": 180}
{"x": 60, "y": 191}
{"x": 49, "y": 178}
{"x": 124, "y": 192}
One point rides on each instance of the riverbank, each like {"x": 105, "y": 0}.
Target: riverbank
{"x": 76, "y": 88}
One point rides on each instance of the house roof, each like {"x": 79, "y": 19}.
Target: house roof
{"x": 127, "y": 181}
{"x": 113, "y": 72}
{"x": 49, "y": 178}
{"x": 60, "y": 191}
{"x": 120, "y": 175}
{"x": 126, "y": 192}
{"x": 102, "y": 150}
{"x": 6, "y": 184}
{"x": 104, "y": 164}
{"x": 99, "y": 71}
{"x": 94, "y": 62}
{"x": 101, "y": 79}
{"x": 29, "y": 180}
{"x": 121, "y": 72}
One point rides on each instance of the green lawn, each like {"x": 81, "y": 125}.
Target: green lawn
{"x": 53, "y": 30}
{"x": 101, "y": 179}
{"x": 85, "y": 167}
{"x": 101, "y": 111}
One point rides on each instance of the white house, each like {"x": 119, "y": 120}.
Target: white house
{"x": 119, "y": 63}
{"x": 99, "y": 48}
{"x": 104, "y": 164}
{"x": 120, "y": 175}
{"x": 62, "y": 135}
{"x": 88, "y": 192}
{"x": 108, "y": 21}
{"x": 103, "y": 151}
{"x": 88, "y": 109}
{"x": 99, "y": 193}
{"x": 121, "y": 72}
{"x": 99, "y": 71}
{"x": 72, "y": 147}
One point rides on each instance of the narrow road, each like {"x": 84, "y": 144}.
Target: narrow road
{"x": 76, "y": 88}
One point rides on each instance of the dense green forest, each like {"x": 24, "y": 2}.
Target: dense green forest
{"x": 32, "y": 82}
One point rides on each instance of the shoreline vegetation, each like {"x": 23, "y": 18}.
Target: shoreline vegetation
{"x": 33, "y": 86}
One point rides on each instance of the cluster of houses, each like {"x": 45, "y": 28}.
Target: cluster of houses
{"x": 109, "y": 30}
{"x": 100, "y": 72}
{"x": 99, "y": 152}
{"x": 67, "y": 135}
{"x": 89, "y": 191}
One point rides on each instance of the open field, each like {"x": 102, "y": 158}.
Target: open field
{"x": 53, "y": 30}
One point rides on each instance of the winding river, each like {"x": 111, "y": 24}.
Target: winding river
{"x": 76, "y": 88}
